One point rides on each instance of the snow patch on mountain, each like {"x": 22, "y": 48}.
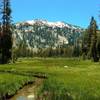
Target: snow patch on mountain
{"x": 51, "y": 24}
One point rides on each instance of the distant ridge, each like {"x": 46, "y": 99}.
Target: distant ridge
{"x": 39, "y": 33}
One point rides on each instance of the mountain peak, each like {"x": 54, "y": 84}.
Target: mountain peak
{"x": 59, "y": 24}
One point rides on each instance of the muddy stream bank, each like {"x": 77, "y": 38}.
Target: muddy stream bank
{"x": 28, "y": 92}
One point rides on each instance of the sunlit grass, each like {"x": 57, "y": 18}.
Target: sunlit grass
{"x": 79, "y": 81}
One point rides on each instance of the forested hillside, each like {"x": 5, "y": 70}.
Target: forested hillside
{"x": 41, "y": 34}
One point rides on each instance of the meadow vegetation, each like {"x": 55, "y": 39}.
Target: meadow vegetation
{"x": 78, "y": 81}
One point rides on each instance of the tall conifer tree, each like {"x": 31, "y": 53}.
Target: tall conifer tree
{"x": 92, "y": 40}
{"x": 6, "y": 34}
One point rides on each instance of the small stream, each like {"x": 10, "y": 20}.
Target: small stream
{"x": 28, "y": 92}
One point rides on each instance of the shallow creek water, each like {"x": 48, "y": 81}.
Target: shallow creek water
{"x": 28, "y": 92}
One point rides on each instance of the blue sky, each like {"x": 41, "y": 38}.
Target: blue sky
{"x": 76, "y": 12}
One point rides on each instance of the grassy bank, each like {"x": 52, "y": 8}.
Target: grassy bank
{"x": 10, "y": 84}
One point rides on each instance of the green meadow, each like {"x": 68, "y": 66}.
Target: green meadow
{"x": 67, "y": 79}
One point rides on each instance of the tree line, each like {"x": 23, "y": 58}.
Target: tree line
{"x": 60, "y": 51}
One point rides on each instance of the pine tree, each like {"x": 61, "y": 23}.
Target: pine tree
{"x": 6, "y": 34}
{"x": 90, "y": 43}
{"x": 93, "y": 40}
